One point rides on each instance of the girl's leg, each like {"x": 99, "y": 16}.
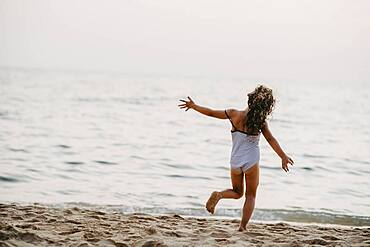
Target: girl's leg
{"x": 238, "y": 185}
{"x": 236, "y": 192}
{"x": 251, "y": 180}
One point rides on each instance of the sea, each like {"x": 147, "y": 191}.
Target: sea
{"x": 118, "y": 141}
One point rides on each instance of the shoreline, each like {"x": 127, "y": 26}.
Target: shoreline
{"x": 40, "y": 225}
{"x": 260, "y": 215}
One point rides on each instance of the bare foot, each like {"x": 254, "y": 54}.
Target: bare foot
{"x": 241, "y": 229}
{"x": 212, "y": 201}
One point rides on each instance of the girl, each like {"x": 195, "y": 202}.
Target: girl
{"x": 247, "y": 125}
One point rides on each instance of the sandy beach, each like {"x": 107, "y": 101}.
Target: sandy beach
{"x": 38, "y": 225}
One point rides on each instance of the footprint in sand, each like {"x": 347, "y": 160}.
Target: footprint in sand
{"x": 173, "y": 234}
{"x": 318, "y": 241}
{"x": 220, "y": 234}
{"x": 153, "y": 243}
{"x": 223, "y": 240}
{"x": 72, "y": 231}
{"x": 110, "y": 242}
{"x": 327, "y": 237}
{"x": 151, "y": 230}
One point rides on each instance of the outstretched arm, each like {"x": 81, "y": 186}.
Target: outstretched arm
{"x": 285, "y": 159}
{"x": 201, "y": 109}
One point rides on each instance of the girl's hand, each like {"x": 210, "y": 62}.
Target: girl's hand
{"x": 285, "y": 161}
{"x": 187, "y": 104}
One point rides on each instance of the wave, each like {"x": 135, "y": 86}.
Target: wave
{"x": 262, "y": 215}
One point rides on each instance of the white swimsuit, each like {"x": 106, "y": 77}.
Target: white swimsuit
{"x": 245, "y": 151}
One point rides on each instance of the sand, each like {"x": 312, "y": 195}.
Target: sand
{"x": 37, "y": 225}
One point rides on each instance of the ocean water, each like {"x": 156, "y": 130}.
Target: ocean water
{"x": 119, "y": 141}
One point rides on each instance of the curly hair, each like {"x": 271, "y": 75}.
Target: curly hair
{"x": 260, "y": 104}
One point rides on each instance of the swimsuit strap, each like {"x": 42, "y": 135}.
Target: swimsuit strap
{"x": 230, "y": 120}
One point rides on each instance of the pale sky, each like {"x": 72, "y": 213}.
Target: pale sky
{"x": 305, "y": 40}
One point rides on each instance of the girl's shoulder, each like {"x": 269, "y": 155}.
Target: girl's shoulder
{"x": 236, "y": 111}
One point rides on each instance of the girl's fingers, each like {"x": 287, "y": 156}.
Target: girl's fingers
{"x": 183, "y": 100}
{"x": 285, "y": 168}
{"x": 181, "y": 105}
{"x": 190, "y": 99}
{"x": 184, "y": 106}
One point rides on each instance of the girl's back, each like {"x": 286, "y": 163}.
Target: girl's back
{"x": 239, "y": 119}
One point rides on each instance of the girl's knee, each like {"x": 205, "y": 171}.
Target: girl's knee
{"x": 251, "y": 191}
{"x": 239, "y": 193}
{"x": 250, "y": 195}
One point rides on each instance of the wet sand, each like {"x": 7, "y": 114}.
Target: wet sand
{"x": 38, "y": 225}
